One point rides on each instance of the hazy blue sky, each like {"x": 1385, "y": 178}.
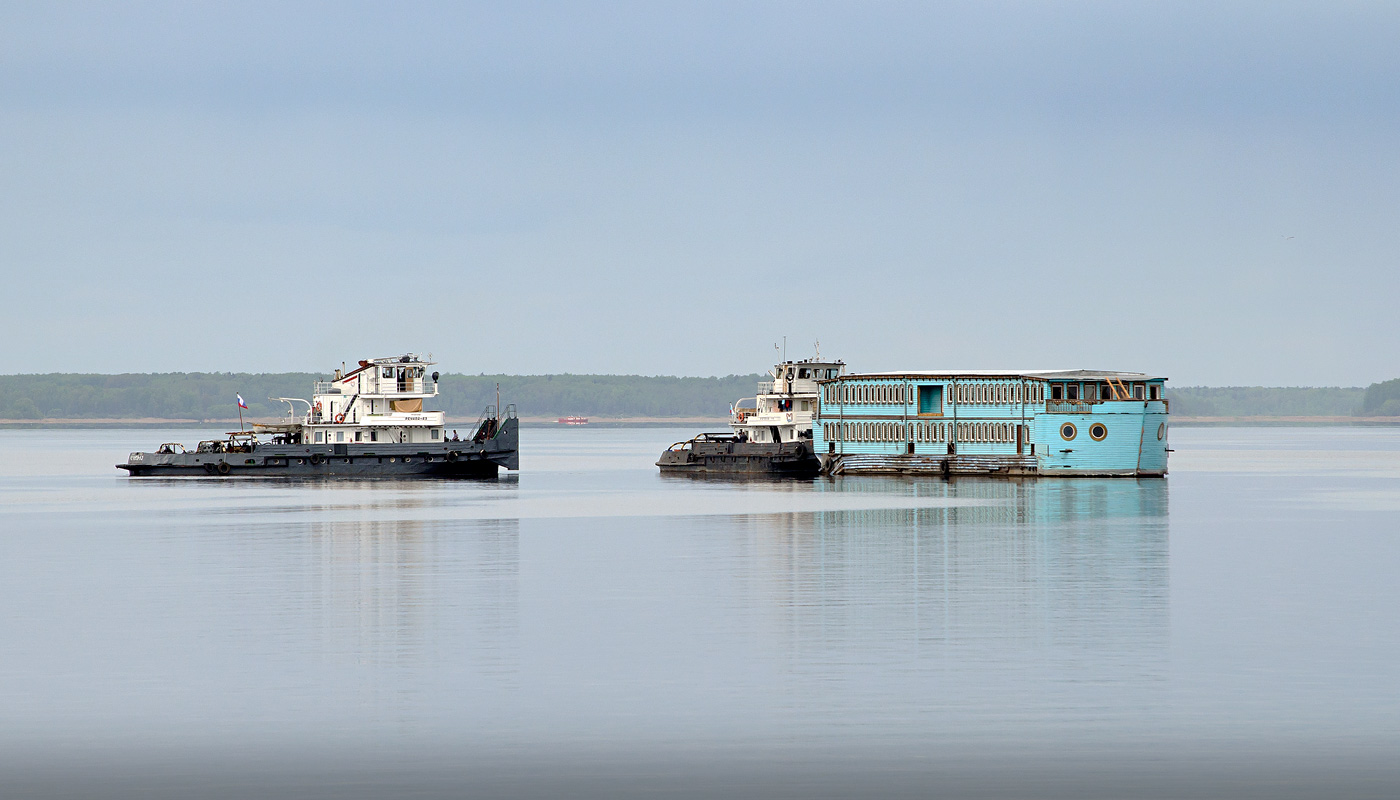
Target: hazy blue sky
{"x": 1205, "y": 191}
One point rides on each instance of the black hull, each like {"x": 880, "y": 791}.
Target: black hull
{"x": 334, "y": 468}
{"x": 742, "y": 459}
{"x": 461, "y": 459}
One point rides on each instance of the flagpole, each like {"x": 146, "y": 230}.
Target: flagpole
{"x": 240, "y": 419}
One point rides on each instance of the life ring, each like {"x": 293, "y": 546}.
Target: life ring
{"x": 317, "y": 407}
{"x": 789, "y": 416}
{"x": 222, "y": 468}
{"x": 339, "y": 418}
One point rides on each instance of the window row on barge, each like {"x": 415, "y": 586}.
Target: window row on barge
{"x": 367, "y": 422}
{"x": 1056, "y": 422}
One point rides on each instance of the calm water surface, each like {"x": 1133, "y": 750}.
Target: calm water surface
{"x": 588, "y": 627}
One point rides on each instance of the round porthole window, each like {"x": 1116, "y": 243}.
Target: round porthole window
{"x": 1068, "y": 431}
{"x": 1161, "y": 431}
{"x": 1098, "y": 430}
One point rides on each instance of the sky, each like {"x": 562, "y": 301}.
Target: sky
{"x": 1205, "y": 191}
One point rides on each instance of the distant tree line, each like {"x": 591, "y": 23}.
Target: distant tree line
{"x": 1265, "y": 401}
{"x": 204, "y": 395}
{"x": 1382, "y": 399}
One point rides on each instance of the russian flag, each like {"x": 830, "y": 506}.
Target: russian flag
{"x": 241, "y": 404}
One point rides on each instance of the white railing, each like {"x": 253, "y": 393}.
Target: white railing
{"x": 417, "y": 386}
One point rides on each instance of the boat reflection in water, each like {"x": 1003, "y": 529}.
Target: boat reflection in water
{"x": 1057, "y": 579}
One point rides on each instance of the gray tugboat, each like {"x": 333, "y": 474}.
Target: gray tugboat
{"x": 771, "y": 433}
{"x": 367, "y": 422}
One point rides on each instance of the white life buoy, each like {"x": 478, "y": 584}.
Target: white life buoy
{"x": 789, "y": 416}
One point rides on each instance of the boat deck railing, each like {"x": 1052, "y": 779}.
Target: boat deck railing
{"x": 1070, "y": 406}
{"x": 333, "y": 387}
{"x": 704, "y": 437}
{"x": 1087, "y": 406}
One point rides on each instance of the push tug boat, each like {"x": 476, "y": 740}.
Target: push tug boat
{"x": 367, "y": 422}
{"x": 772, "y": 437}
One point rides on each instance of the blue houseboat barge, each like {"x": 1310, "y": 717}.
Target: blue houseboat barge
{"x": 1054, "y": 422}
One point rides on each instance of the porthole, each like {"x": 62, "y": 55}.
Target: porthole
{"x": 1098, "y": 431}
{"x": 1161, "y": 431}
{"x": 1068, "y": 431}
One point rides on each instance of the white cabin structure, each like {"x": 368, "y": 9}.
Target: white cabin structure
{"x": 782, "y": 409}
{"x": 381, "y": 400}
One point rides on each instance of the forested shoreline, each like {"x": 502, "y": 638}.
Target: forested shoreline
{"x": 201, "y": 396}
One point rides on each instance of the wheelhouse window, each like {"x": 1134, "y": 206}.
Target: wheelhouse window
{"x": 1105, "y": 392}
{"x": 1057, "y": 391}
{"x": 1071, "y": 391}
{"x": 1137, "y": 391}
{"x": 1156, "y": 392}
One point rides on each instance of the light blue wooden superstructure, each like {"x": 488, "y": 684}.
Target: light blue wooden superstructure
{"x": 1050, "y": 422}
